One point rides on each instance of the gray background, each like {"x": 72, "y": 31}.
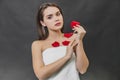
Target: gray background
{"x": 100, "y": 18}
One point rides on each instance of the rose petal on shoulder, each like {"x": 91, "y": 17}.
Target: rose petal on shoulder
{"x": 55, "y": 44}
{"x": 65, "y": 43}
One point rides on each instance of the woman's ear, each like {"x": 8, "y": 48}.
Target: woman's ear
{"x": 43, "y": 24}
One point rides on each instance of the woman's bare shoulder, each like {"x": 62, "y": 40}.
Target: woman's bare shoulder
{"x": 37, "y": 44}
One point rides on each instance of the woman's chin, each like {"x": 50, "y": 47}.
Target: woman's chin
{"x": 58, "y": 28}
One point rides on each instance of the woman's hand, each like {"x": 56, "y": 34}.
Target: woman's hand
{"x": 70, "y": 48}
{"x": 80, "y": 31}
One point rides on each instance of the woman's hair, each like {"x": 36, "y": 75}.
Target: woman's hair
{"x": 43, "y": 31}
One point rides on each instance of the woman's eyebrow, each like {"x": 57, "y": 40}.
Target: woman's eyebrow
{"x": 49, "y": 15}
{"x": 52, "y": 14}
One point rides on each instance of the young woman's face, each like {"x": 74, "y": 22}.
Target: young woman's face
{"x": 52, "y": 18}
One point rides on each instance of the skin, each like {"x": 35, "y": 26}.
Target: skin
{"x": 52, "y": 16}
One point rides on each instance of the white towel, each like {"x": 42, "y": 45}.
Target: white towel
{"x": 69, "y": 71}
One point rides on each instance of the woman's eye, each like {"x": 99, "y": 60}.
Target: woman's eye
{"x": 58, "y": 13}
{"x": 49, "y": 17}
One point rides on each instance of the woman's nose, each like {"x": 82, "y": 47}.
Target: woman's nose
{"x": 56, "y": 18}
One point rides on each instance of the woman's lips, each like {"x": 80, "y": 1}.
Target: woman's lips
{"x": 58, "y": 24}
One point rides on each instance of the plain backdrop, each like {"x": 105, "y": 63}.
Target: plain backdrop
{"x": 100, "y": 18}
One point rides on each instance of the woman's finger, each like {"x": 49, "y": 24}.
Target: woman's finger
{"x": 75, "y": 31}
{"x": 72, "y": 41}
{"x": 78, "y": 25}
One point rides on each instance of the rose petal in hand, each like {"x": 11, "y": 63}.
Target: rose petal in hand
{"x": 74, "y": 24}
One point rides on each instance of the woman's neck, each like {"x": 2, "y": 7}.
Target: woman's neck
{"x": 54, "y": 35}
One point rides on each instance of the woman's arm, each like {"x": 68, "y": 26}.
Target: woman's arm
{"x": 44, "y": 71}
{"x": 82, "y": 62}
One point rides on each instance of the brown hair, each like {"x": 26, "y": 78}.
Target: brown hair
{"x": 43, "y": 31}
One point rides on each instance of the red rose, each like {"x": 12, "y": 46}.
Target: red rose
{"x": 55, "y": 44}
{"x": 74, "y": 23}
{"x": 67, "y": 35}
{"x": 65, "y": 43}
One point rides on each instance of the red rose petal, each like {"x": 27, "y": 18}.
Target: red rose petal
{"x": 68, "y": 35}
{"x": 74, "y": 23}
{"x": 55, "y": 44}
{"x": 65, "y": 43}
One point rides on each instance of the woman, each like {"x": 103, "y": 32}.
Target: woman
{"x": 57, "y": 56}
